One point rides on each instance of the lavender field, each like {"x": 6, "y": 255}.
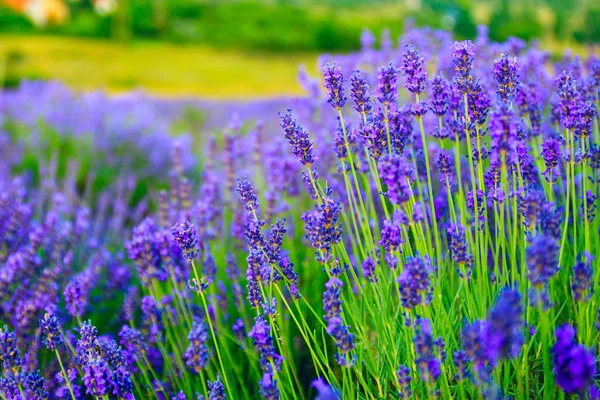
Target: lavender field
{"x": 422, "y": 224}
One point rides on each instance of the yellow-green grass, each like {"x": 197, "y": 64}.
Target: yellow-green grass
{"x": 163, "y": 69}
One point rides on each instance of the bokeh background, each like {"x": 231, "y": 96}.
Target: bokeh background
{"x": 225, "y": 49}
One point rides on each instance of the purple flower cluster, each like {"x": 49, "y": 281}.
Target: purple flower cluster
{"x": 332, "y": 306}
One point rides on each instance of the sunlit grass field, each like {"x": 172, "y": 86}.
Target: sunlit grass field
{"x": 159, "y": 68}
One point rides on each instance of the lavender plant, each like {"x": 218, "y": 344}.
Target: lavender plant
{"x": 390, "y": 236}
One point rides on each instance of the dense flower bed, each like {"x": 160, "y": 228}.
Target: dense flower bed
{"x": 421, "y": 225}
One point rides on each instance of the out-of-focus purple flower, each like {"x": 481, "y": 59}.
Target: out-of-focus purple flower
{"x": 196, "y": 355}
{"x": 551, "y": 154}
{"x": 574, "y": 366}
{"x": 369, "y": 270}
{"x": 414, "y": 69}
{"x": 391, "y": 235}
{"x": 460, "y": 363}
{"x": 298, "y": 138}
{"x": 463, "y": 57}
{"x": 457, "y": 243}
{"x": 414, "y": 282}
{"x": 332, "y": 306}
{"x": 9, "y": 352}
{"x": 261, "y": 335}
{"x": 360, "y": 93}
{"x": 503, "y": 134}
{"x": 530, "y": 204}
{"x": 542, "y": 264}
{"x": 239, "y": 330}
{"x": 583, "y": 277}
{"x": 584, "y": 125}
{"x": 403, "y": 378}
{"x": 398, "y": 175}
{"x": 427, "y": 362}
{"x": 439, "y": 94}
{"x": 588, "y": 206}
{"x": 445, "y": 166}
{"x": 551, "y": 221}
{"x": 334, "y": 83}
{"x": 542, "y": 260}
{"x": 325, "y": 392}
{"x": 50, "y": 331}
{"x": 506, "y": 73}
{"x": 387, "y": 87}
{"x": 268, "y": 387}
{"x": 186, "y": 236}
{"x": 503, "y": 331}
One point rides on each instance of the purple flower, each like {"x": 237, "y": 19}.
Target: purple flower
{"x": 479, "y": 104}
{"x": 503, "y": 331}
{"x": 457, "y": 243}
{"x": 397, "y": 174}
{"x": 574, "y": 366}
{"x": 414, "y": 282}
{"x": 9, "y": 352}
{"x": 216, "y": 390}
{"x": 588, "y": 206}
{"x": 460, "y": 363}
{"x": 583, "y": 277}
{"x": 369, "y": 270}
{"x": 196, "y": 355}
{"x": 87, "y": 348}
{"x": 334, "y": 83}
{"x": 551, "y": 221}
{"x": 445, "y": 165}
{"x": 332, "y": 306}
{"x": 387, "y": 89}
{"x": 298, "y": 138}
{"x": 321, "y": 226}
{"x": 440, "y": 93}
{"x": 186, "y": 236}
{"x": 503, "y": 134}
{"x": 261, "y": 335}
{"x": 391, "y": 236}
{"x": 246, "y": 192}
{"x": 360, "y": 93}
{"x": 403, "y": 378}
{"x": 463, "y": 56}
{"x": 268, "y": 387}
{"x": 96, "y": 377}
{"x": 325, "y": 392}
{"x": 551, "y": 154}
{"x": 427, "y": 362}
{"x": 414, "y": 69}
{"x": 584, "y": 125}
{"x": 542, "y": 260}
{"x": 506, "y": 73}
{"x": 50, "y": 331}
{"x": 418, "y": 109}
{"x": 569, "y": 100}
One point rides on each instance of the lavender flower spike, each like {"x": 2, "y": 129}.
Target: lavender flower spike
{"x": 414, "y": 70}
{"x": 334, "y": 83}
{"x": 186, "y": 236}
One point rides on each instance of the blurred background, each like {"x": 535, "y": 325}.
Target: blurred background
{"x": 226, "y": 49}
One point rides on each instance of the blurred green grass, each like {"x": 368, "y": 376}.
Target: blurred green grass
{"x": 161, "y": 68}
